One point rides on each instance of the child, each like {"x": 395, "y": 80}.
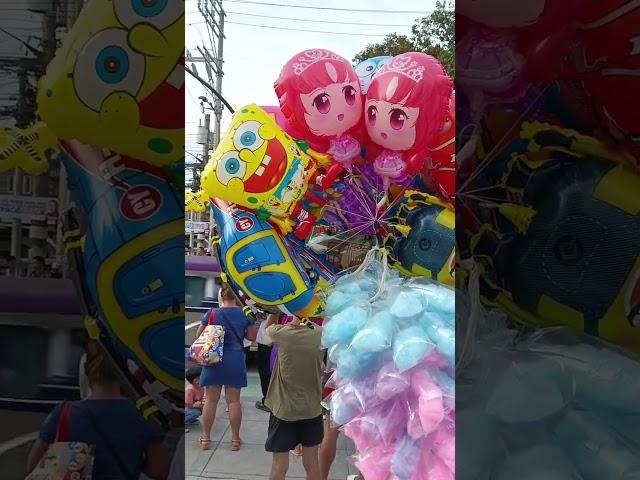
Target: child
{"x": 193, "y": 396}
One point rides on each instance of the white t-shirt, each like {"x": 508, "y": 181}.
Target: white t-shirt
{"x": 261, "y": 339}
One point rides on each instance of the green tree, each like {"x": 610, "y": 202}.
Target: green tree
{"x": 393, "y": 44}
{"x": 433, "y": 34}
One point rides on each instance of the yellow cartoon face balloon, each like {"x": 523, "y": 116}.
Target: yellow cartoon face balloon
{"x": 258, "y": 166}
{"x": 196, "y": 201}
{"x": 28, "y": 149}
{"x": 117, "y": 82}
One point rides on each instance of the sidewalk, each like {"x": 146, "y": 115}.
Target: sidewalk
{"x": 251, "y": 462}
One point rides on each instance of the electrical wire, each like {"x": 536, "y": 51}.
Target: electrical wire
{"x": 312, "y": 20}
{"x": 420, "y": 12}
{"x": 309, "y": 31}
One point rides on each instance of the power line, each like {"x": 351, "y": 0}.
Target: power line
{"x": 311, "y": 20}
{"x": 420, "y": 12}
{"x": 309, "y": 31}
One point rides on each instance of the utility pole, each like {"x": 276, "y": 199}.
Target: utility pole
{"x": 23, "y": 118}
{"x": 213, "y": 14}
{"x": 206, "y": 145}
{"x": 219, "y": 71}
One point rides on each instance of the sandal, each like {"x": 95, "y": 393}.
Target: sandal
{"x": 235, "y": 445}
{"x": 204, "y": 443}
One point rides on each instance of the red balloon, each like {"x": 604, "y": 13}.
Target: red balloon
{"x": 320, "y": 96}
{"x": 440, "y": 167}
{"x": 405, "y": 108}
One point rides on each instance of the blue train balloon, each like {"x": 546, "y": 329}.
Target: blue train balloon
{"x": 273, "y": 271}
{"x": 126, "y": 251}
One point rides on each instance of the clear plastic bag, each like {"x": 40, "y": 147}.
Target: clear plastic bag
{"x": 553, "y": 404}
{"x": 381, "y": 400}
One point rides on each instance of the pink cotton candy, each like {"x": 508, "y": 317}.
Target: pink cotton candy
{"x": 381, "y": 425}
{"x": 414, "y": 424}
{"x": 444, "y": 446}
{"x": 432, "y": 468}
{"x": 390, "y": 382}
{"x": 375, "y": 463}
{"x": 422, "y": 382}
{"x": 435, "y": 359}
{"x": 437, "y": 470}
{"x": 431, "y": 412}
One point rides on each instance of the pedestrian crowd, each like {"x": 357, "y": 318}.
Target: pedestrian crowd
{"x": 292, "y": 369}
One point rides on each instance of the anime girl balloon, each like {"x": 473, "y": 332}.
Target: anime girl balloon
{"x": 405, "y": 108}
{"x": 320, "y": 95}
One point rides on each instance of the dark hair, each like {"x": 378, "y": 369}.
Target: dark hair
{"x": 97, "y": 366}
{"x": 39, "y": 259}
{"x": 192, "y": 373}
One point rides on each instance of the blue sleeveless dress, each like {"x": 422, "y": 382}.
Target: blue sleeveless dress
{"x": 232, "y": 371}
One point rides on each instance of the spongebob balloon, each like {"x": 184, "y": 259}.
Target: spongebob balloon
{"x": 196, "y": 201}
{"x": 258, "y": 166}
{"x": 28, "y": 149}
{"x": 118, "y": 80}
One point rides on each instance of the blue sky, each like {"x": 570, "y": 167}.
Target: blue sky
{"x": 253, "y": 56}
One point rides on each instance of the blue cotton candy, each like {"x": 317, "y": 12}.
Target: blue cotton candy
{"x": 445, "y": 340}
{"x": 341, "y": 328}
{"x": 530, "y": 391}
{"x": 546, "y": 462}
{"x": 353, "y": 366}
{"x": 477, "y": 449}
{"x": 439, "y": 298}
{"x": 409, "y": 348}
{"x": 344, "y": 407}
{"x": 335, "y": 351}
{"x": 597, "y": 450}
{"x": 407, "y": 304}
{"x": 613, "y": 383}
{"x": 337, "y": 301}
{"x": 355, "y": 285}
{"x": 447, "y": 385}
{"x": 405, "y": 458}
{"x": 375, "y": 336}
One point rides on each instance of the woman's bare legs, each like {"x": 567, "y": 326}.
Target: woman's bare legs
{"x": 232, "y": 397}
{"x": 211, "y": 399}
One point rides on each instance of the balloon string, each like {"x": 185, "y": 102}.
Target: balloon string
{"x": 466, "y": 354}
{"x": 501, "y": 144}
{"x": 385, "y": 271}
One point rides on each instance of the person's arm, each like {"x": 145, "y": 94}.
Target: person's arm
{"x": 203, "y": 323}
{"x": 156, "y": 465}
{"x": 272, "y": 319}
{"x": 188, "y": 398}
{"x": 38, "y": 449}
{"x": 46, "y": 437}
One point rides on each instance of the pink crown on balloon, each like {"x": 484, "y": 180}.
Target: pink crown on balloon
{"x": 309, "y": 57}
{"x": 404, "y": 66}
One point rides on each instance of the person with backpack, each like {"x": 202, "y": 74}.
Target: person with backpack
{"x": 231, "y": 372}
{"x": 125, "y": 445}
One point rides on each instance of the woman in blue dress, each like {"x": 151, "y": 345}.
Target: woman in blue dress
{"x": 231, "y": 372}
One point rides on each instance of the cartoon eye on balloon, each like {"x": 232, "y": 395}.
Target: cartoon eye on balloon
{"x": 229, "y": 167}
{"x": 248, "y": 137}
{"x": 322, "y": 103}
{"x": 157, "y": 13}
{"x": 107, "y": 65}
